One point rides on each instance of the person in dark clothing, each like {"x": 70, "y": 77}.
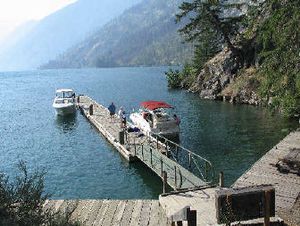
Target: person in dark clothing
{"x": 112, "y": 110}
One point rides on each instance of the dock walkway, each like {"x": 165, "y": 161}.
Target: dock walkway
{"x": 287, "y": 188}
{"x": 147, "y": 149}
{"x": 110, "y": 212}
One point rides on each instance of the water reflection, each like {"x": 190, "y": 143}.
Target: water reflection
{"x": 66, "y": 123}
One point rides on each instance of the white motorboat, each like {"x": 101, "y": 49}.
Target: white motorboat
{"x": 64, "y": 102}
{"x": 154, "y": 118}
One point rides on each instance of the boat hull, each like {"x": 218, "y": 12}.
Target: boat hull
{"x": 65, "y": 110}
{"x": 168, "y": 131}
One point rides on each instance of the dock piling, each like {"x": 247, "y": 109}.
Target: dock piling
{"x": 267, "y": 208}
{"x": 191, "y": 217}
{"x": 221, "y": 179}
{"x": 151, "y": 161}
{"x": 165, "y": 178}
{"x": 175, "y": 175}
{"x": 161, "y": 167}
{"x": 91, "y": 109}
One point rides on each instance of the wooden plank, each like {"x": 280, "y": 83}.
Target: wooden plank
{"x": 109, "y": 215}
{"x": 145, "y": 213}
{"x": 94, "y": 212}
{"x": 101, "y": 213}
{"x": 135, "y": 217}
{"x": 119, "y": 212}
{"x": 126, "y": 218}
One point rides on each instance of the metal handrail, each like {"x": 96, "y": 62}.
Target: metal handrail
{"x": 193, "y": 158}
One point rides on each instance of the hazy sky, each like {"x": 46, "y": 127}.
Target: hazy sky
{"x": 15, "y": 12}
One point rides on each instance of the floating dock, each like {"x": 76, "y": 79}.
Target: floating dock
{"x": 147, "y": 149}
{"x": 189, "y": 190}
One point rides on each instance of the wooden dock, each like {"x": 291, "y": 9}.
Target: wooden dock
{"x": 287, "y": 188}
{"x": 152, "y": 152}
{"x": 110, "y": 212}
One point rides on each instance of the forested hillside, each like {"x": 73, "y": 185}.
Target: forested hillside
{"x": 259, "y": 62}
{"x": 146, "y": 34}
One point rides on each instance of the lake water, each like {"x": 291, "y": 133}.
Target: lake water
{"x": 80, "y": 163}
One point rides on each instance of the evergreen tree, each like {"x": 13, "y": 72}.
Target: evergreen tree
{"x": 211, "y": 15}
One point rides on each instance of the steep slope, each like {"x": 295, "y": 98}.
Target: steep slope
{"x": 146, "y": 34}
{"x": 59, "y": 31}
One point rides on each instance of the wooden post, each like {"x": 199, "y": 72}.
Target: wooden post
{"x": 134, "y": 145}
{"x": 78, "y": 99}
{"x": 190, "y": 160}
{"x": 175, "y": 172}
{"x": 151, "y": 156}
{"x": 161, "y": 167}
{"x": 221, "y": 179}
{"x": 206, "y": 170}
{"x": 165, "y": 178}
{"x": 179, "y": 223}
{"x": 191, "y": 217}
{"x": 143, "y": 152}
{"x": 157, "y": 143}
{"x": 267, "y": 208}
{"x": 91, "y": 109}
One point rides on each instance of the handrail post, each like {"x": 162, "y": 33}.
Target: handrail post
{"x": 206, "y": 170}
{"x": 134, "y": 145}
{"x": 221, "y": 179}
{"x": 161, "y": 166}
{"x": 157, "y": 143}
{"x": 175, "y": 172}
{"x": 190, "y": 160}
{"x": 165, "y": 178}
{"x": 151, "y": 156}
{"x": 143, "y": 152}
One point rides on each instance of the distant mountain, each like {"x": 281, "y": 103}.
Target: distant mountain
{"x": 56, "y": 33}
{"x": 145, "y": 34}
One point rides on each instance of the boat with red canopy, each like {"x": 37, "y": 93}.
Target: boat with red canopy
{"x": 154, "y": 118}
{"x": 153, "y": 105}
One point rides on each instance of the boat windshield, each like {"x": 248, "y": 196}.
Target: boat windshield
{"x": 68, "y": 94}
{"x": 64, "y": 101}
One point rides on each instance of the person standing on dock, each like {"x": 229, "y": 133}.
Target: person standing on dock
{"x": 112, "y": 111}
{"x": 122, "y": 116}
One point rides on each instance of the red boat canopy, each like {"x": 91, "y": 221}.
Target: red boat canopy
{"x": 152, "y": 105}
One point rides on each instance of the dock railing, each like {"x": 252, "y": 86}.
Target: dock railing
{"x": 182, "y": 168}
{"x": 199, "y": 166}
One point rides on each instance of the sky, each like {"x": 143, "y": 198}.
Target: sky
{"x": 13, "y": 13}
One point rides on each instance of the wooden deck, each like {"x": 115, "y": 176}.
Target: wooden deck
{"x": 287, "y": 186}
{"x": 111, "y": 212}
{"x": 144, "y": 148}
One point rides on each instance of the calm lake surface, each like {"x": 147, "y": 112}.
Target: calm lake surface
{"x": 80, "y": 163}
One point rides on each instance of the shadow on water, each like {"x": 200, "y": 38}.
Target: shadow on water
{"x": 66, "y": 123}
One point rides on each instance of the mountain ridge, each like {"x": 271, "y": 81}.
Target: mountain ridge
{"x": 59, "y": 31}
{"x": 145, "y": 34}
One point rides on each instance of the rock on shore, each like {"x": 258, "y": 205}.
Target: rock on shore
{"x": 220, "y": 79}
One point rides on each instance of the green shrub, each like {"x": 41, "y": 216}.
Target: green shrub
{"x": 22, "y": 199}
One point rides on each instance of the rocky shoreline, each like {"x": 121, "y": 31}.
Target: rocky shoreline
{"x": 220, "y": 79}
